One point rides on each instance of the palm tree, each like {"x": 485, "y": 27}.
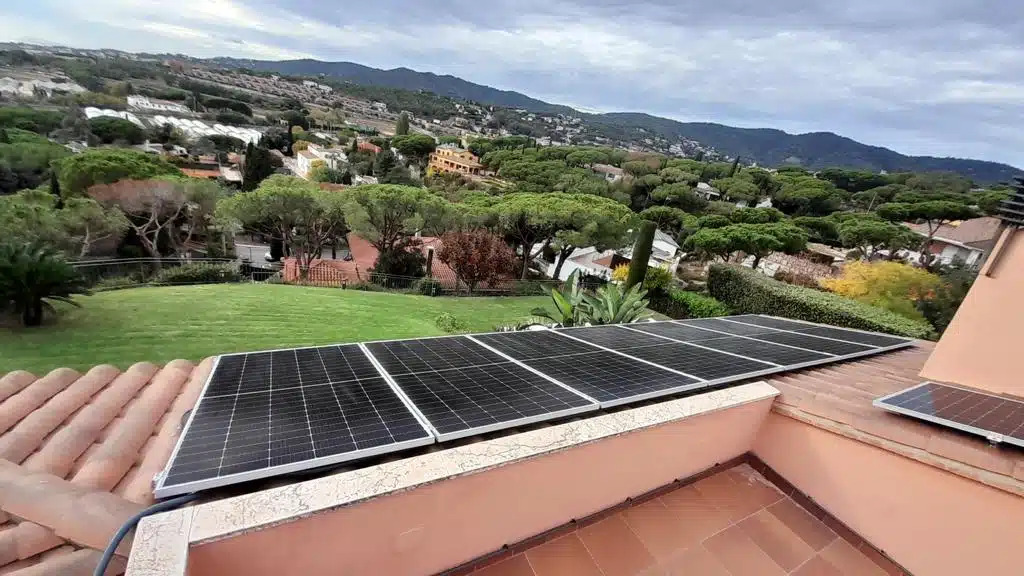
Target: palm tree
{"x": 30, "y": 276}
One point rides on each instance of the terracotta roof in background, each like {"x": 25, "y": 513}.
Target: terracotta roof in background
{"x": 200, "y": 173}
{"x": 983, "y": 229}
{"x": 838, "y": 398}
{"x": 732, "y": 522}
{"x": 78, "y": 453}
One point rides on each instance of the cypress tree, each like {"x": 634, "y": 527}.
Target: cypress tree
{"x": 735, "y": 165}
{"x": 55, "y": 188}
{"x": 641, "y": 254}
{"x": 4, "y": 138}
{"x": 402, "y": 126}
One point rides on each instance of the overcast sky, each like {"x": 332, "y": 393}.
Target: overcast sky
{"x": 937, "y": 77}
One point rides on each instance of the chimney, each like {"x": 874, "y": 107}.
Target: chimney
{"x": 981, "y": 347}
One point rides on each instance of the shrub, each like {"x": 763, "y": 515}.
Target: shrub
{"x": 748, "y": 292}
{"x": 33, "y": 276}
{"x": 365, "y": 287}
{"x": 798, "y": 279}
{"x": 116, "y": 283}
{"x": 428, "y": 287}
{"x": 620, "y": 273}
{"x": 682, "y": 304}
{"x": 895, "y": 286}
{"x": 199, "y": 273}
{"x": 657, "y": 281}
{"x": 527, "y": 288}
{"x": 449, "y": 323}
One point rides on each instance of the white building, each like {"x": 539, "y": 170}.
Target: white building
{"x": 331, "y": 157}
{"x": 316, "y": 85}
{"x": 196, "y": 128}
{"x": 28, "y": 88}
{"x": 92, "y": 112}
{"x": 664, "y": 254}
{"x": 609, "y": 172}
{"x": 707, "y": 191}
{"x": 144, "y": 103}
{"x": 304, "y": 163}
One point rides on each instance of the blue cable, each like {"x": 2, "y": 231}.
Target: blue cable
{"x": 101, "y": 567}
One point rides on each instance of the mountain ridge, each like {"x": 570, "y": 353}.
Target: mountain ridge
{"x": 767, "y": 146}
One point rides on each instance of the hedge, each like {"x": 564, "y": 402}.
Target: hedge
{"x": 682, "y": 304}
{"x": 199, "y": 273}
{"x": 750, "y": 292}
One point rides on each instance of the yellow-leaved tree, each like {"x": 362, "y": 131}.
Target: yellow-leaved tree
{"x": 891, "y": 285}
{"x": 620, "y": 273}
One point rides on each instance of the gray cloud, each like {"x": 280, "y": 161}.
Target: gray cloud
{"x": 943, "y": 77}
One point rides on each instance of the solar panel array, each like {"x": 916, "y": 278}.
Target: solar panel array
{"x": 994, "y": 417}
{"x": 263, "y": 414}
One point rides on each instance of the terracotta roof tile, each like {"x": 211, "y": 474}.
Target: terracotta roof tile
{"x": 33, "y": 396}
{"x": 841, "y": 395}
{"x": 78, "y": 454}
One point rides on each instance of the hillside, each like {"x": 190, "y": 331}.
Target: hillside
{"x": 767, "y": 147}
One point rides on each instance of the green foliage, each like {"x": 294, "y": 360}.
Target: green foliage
{"x": 683, "y": 304}
{"x": 679, "y": 195}
{"x": 755, "y": 215}
{"x": 874, "y": 197}
{"x": 77, "y": 173}
{"x": 757, "y": 240}
{"x": 568, "y": 303}
{"x": 868, "y": 236}
{"x": 32, "y": 216}
{"x": 804, "y": 195}
{"x": 940, "y": 308}
{"x": 429, "y": 287}
{"x": 31, "y": 276}
{"x": 30, "y": 119}
{"x": 658, "y": 280}
{"x": 988, "y": 201}
{"x": 893, "y": 286}
{"x": 110, "y": 130}
{"x": 25, "y": 160}
{"x": 641, "y": 254}
{"x": 670, "y": 220}
{"x": 383, "y": 214}
{"x": 198, "y": 273}
{"x": 854, "y": 181}
{"x": 447, "y": 322}
{"x": 232, "y": 118}
{"x": 402, "y": 126}
{"x": 415, "y": 147}
{"x": 736, "y": 189}
{"x": 713, "y": 221}
{"x": 615, "y": 304}
{"x": 824, "y": 230}
{"x": 746, "y": 291}
{"x": 257, "y": 167}
{"x": 396, "y": 266}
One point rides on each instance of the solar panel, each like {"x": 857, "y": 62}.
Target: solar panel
{"x": 464, "y": 388}
{"x": 675, "y": 331}
{"x": 775, "y": 353}
{"x": 807, "y": 342}
{"x": 700, "y": 362}
{"x": 728, "y": 327}
{"x": 534, "y": 344}
{"x": 769, "y": 321}
{"x": 461, "y": 402}
{"x": 996, "y": 418}
{"x": 268, "y": 413}
{"x": 608, "y": 377}
{"x": 612, "y": 337}
{"x": 408, "y": 356}
{"x": 853, "y": 336}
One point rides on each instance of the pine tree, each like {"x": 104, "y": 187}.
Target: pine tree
{"x": 384, "y": 163}
{"x": 402, "y": 126}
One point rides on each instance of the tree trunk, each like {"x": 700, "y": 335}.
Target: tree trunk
{"x": 562, "y": 255}
{"x": 32, "y": 315}
{"x": 757, "y": 260}
{"x": 641, "y": 254}
{"x": 526, "y": 261}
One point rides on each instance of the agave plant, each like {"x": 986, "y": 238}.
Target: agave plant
{"x": 569, "y": 303}
{"x": 31, "y": 275}
{"x": 613, "y": 305}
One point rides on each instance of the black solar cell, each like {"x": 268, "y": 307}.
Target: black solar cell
{"x": 728, "y": 327}
{"x": 612, "y": 337}
{"x": 813, "y": 343}
{"x": 674, "y": 331}
{"x": 853, "y": 336}
{"x": 967, "y": 410}
{"x": 764, "y": 351}
{"x": 699, "y": 362}
{"x": 534, "y": 344}
{"x": 612, "y": 379}
{"x": 465, "y": 401}
{"x": 427, "y": 354}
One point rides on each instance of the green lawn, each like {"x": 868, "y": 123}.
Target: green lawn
{"x": 159, "y": 324}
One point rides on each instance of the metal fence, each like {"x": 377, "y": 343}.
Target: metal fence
{"x": 438, "y": 284}
{"x": 116, "y": 273}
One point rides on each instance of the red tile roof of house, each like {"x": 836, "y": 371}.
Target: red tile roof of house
{"x": 200, "y": 173}
{"x": 364, "y": 256}
{"x": 370, "y": 147}
{"x": 975, "y": 230}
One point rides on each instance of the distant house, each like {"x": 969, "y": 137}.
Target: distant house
{"x": 968, "y": 241}
{"x": 304, "y": 163}
{"x": 369, "y": 147}
{"x": 707, "y": 191}
{"x": 450, "y": 158}
{"x": 592, "y": 262}
{"x": 608, "y": 172}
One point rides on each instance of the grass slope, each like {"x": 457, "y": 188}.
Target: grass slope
{"x": 160, "y": 324}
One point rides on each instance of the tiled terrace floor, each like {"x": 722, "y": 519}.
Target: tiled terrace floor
{"x": 734, "y": 523}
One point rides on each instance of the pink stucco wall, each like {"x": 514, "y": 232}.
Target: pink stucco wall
{"x": 981, "y": 347}
{"x": 438, "y": 526}
{"x": 932, "y": 522}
